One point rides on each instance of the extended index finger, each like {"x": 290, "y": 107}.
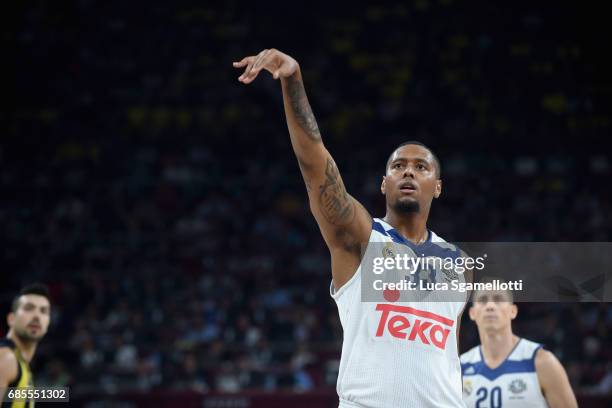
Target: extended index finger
{"x": 241, "y": 63}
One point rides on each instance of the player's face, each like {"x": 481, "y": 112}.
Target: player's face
{"x": 411, "y": 181}
{"x": 31, "y": 319}
{"x": 492, "y": 310}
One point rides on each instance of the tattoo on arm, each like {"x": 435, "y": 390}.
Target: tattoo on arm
{"x": 335, "y": 203}
{"x": 337, "y": 206}
{"x": 301, "y": 108}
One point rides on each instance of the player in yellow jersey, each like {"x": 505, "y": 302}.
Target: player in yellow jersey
{"x": 28, "y": 321}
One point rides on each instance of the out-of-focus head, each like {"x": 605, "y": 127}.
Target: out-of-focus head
{"x": 30, "y": 313}
{"x": 493, "y": 310}
{"x": 412, "y": 178}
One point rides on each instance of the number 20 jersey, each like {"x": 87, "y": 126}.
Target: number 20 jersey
{"x": 513, "y": 384}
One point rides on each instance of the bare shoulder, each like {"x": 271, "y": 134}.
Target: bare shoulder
{"x": 545, "y": 360}
{"x": 8, "y": 366}
{"x": 549, "y": 370}
{"x": 553, "y": 380}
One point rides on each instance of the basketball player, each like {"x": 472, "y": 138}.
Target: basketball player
{"x": 392, "y": 355}
{"x": 28, "y": 322}
{"x": 506, "y": 370}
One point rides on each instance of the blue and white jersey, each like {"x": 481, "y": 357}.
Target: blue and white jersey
{"x": 513, "y": 384}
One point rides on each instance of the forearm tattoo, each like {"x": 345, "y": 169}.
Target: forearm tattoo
{"x": 301, "y": 108}
{"x": 335, "y": 203}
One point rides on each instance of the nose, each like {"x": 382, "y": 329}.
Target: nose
{"x": 409, "y": 172}
{"x": 37, "y": 316}
{"x": 490, "y": 306}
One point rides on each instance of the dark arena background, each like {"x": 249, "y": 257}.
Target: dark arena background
{"x": 160, "y": 200}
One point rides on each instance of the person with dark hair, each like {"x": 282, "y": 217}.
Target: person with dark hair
{"x": 506, "y": 370}
{"x": 394, "y": 353}
{"x": 28, "y": 322}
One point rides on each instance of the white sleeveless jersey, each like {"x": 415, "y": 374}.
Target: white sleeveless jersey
{"x": 388, "y": 365}
{"x": 513, "y": 384}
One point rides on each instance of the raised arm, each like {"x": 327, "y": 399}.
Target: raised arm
{"x": 344, "y": 223}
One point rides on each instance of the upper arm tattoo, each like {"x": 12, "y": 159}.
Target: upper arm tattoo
{"x": 337, "y": 206}
{"x": 301, "y": 108}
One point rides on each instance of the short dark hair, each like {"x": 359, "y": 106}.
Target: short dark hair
{"x": 31, "y": 289}
{"x": 416, "y": 142}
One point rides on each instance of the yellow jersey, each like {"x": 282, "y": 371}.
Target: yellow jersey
{"x": 24, "y": 377}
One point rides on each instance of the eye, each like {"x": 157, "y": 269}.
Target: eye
{"x": 396, "y": 166}
{"x": 421, "y": 166}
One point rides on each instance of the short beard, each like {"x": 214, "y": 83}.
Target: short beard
{"x": 407, "y": 207}
{"x": 25, "y": 337}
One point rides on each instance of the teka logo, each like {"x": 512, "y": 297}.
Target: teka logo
{"x": 427, "y": 332}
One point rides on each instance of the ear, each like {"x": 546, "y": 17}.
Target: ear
{"x": 513, "y": 311}
{"x": 383, "y": 186}
{"x": 472, "y": 314}
{"x": 10, "y": 319}
{"x": 438, "y": 189}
